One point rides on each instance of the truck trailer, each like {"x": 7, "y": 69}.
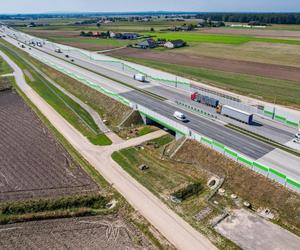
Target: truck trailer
{"x": 236, "y": 114}
{"x": 209, "y": 101}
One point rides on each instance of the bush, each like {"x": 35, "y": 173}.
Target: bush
{"x": 42, "y": 205}
{"x": 188, "y": 191}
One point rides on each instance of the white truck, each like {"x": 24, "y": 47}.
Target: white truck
{"x": 179, "y": 116}
{"x": 57, "y": 50}
{"x": 139, "y": 77}
{"x": 237, "y": 114}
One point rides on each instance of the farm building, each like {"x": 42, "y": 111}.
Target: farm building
{"x": 175, "y": 44}
{"x": 147, "y": 44}
{"x": 129, "y": 36}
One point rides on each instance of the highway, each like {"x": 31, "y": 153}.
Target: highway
{"x": 232, "y": 139}
{"x": 269, "y": 129}
{"x": 249, "y": 147}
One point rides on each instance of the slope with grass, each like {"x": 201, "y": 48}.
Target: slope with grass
{"x": 4, "y": 67}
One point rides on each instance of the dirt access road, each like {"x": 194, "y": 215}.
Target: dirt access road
{"x": 235, "y": 66}
{"x": 173, "y": 227}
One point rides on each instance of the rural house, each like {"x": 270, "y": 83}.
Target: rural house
{"x": 147, "y": 44}
{"x": 130, "y": 36}
{"x": 174, "y": 44}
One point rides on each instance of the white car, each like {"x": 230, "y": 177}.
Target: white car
{"x": 296, "y": 140}
{"x": 297, "y": 135}
{"x": 179, "y": 116}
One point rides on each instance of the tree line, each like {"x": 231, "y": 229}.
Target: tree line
{"x": 269, "y": 18}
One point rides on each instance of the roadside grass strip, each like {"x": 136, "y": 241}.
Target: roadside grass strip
{"x": 88, "y": 83}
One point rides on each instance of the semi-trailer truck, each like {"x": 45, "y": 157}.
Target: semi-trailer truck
{"x": 209, "y": 101}
{"x": 236, "y": 114}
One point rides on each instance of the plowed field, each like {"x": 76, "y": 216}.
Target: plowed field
{"x": 32, "y": 163}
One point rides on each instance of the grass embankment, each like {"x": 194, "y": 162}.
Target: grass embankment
{"x": 285, "y": 92}
{"x": 165, "y": 177}
{"x": 109, "y": 109}
{"x": 247, "y": 184}
{"x": 196, "y": 163}
{"x": 65, "y": 106}
{"x": 4, "y": 67}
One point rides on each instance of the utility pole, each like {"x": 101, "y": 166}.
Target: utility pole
{"x": 274, "y": 109}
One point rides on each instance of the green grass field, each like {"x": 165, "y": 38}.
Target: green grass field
{"x": 64, "y": 105}
{"x": 211, "y": 38}
{"x": 254, "y": 86}
{"x": 4, "y": 67}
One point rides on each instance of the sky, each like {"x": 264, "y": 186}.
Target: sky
{"x": 42, "y": 6}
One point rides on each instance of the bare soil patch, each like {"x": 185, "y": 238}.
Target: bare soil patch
{"x": 250, "y": 231}
{"x": 236, "y": 66}
{"x": 33, "y": 163}
{"x": 253, "y": 32}
{"x": 88, "y": 46}
{"x": 100, "y": 232}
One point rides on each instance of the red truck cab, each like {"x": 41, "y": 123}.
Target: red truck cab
{"x": 194, "y": 96}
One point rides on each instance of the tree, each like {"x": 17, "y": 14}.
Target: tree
{"x": 152, "y": 29}
{"x": 98, "y": 25}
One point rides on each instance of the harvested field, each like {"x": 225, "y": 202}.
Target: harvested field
{"x": 257, "y": 189}
{"x": 253, "y": 32}
{"x": 236, "y": 66}
{"x": 33, "y": 163}
{"x": 100, "y": 232}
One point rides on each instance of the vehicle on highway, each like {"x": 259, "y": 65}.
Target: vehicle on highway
{"x": 209, "y": 101}
{"x": 296, "y": 140}
{"x": 297, "y": 135}
{"x": 67, "y": 56}
{"x": 179, "y": 116}
{"x": 58, "y": 50}
{"x": 236, "y": 114}
{"x": 139, "y": 77}
{"x": 72, "y": 60}
{"x": 23, "y": 46}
